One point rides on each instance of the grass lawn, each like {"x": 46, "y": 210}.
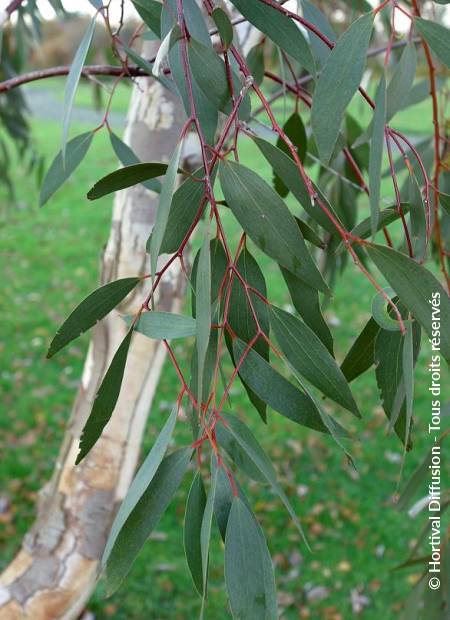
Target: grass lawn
{"x": 49, "y": 261}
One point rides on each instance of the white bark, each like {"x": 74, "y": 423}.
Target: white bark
{"x": 56, "y": 570}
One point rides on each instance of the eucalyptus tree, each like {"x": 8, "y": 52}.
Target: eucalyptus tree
{"x": 213, "y": 84}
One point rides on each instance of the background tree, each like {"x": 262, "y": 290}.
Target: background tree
{"x": 333, "y": 167}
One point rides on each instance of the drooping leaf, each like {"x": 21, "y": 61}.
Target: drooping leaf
{"x": 195, "y": 509}
{"x": 362, "y": 352}
{"x": 224, "y": 26}
{"x": 73, "y": 78}
{"x": 418, "y": 218}
{"x": 338, "y": 82}
{"x": 255, "y": 63}
{"x": 437, "y": 36}
{"x": 315, "y": 16}
{"x": 279, "y": 28}
{"x": 309, "y": 356}
{"x": 205, "y": 537}
{"x": 128, "y": 158}
{"x": 444, "y": 200}
{"x": 296, "y": 132}
{"x": 219, "y": 265}
{"x": 165, "y": 201}
{"x": 416, "y": 287}
{"x": 267, "y": 220}
{"x": 408, "y": 376}
{"x": 209, "y": 72}
{"x": 401, "y": 81}
{"x": 166, "y": 325}
{"x": 105, "y": 400}
{"x": 203, "y": 308}
{"x": 306, "y": 301}
{"x": 248, "y": 567}
{"x": 288, "y": 172}
{"x": 224, "y": 495}
{"x": 376, "y": 153}
{"x": 243, "y": 437}
{"x": 137, "y": 521}
{"x": 126, "y": 177}
{"x": 150, "y": 12}
{"x": 279, "y": 393}
{"x": 92, "y": 309}
{"x": 60, "y": 171}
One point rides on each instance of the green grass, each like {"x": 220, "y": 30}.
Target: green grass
{"x": 49, "y": 261}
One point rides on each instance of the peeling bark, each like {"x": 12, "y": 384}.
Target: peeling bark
{"x": 56, "y": 570}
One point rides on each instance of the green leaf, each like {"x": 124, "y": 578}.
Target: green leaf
{"x": 268, "y": 221}
{"x": 135, "y": 523}
{"x": 224, "y": 26}
{"x": 162, "y": 214}
{"x": 362, "y": 353}
{"x": 105, "y": 400}
{"x": 288, "y": 172}
{"x": 126, "y": 177}
{"x": 205, "y": 537}
{"x": 306, "y": 302}
{"x": 315, "y": 16}
{"x": 166, "y": 325}
{"x": 195, "y": 509}
{"x": 60, "y": 171}
{"x": 209, "y": 72}
{"x": 92, "y": 309}
{"x": 401, "y": 82}
{"x": 279, "y": 28}
{"x": 255, "y": 63}
{"x": 279, "y": 393}
{"x": 128, "y": 158}
{"x": 150, "y": 12}
{"x": 186, "y": 202}
{"x": 233, "y": 428}
{"x": 309, "y": 356}
{"x": 338, "y": 82}
{"x": 203, "y": 308}
{"x": 376, "y": 153}
{"x": 72, "y": 82}
{"x": 295, "y": 131}
{"x": 416, "y": 287}
{"x": 444, "y": 200}
{"x": 248, "y": 567}
{"x": 408, "y": 376}
{"x": 437, "y": 37}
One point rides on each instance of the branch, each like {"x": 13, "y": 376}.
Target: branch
{"x": 43, "y": 74}
{"x": 6, "y": 14}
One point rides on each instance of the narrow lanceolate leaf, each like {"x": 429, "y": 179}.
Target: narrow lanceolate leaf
{"x": 223, "y": 497}
{"x": 203, "y": 308}
{"x": 205, "y": 536}
{"x": 248, "y": 567}
{"x": 127, "y": 157}
{"x": 417, "y": 288}
{"x": 376, "y": 153}
{"x": 60, "y": 171}
{"x": 150, "y": 12}
{"x": 295, "y": 131}
{"x": 209, "y": 72}
{"x": 288, "y": 172}
{"x": 279, "y": 28}
{"x": 72, "y": 82}
{"x": 279, "y": 393}
{"x": 268, "y": 221}
{"x": 195, "y": 509}
{"x": 437, "y": 37}
{"x": 162, "y": 214}
{"x": 338, "y": 82}
{"x": 362, "y": 353}
{"x": 310, "y": 358}
{"x": 126, "y": 177}
{"x": 92, "y": 309}
{"x": 165, "y": 325}
{"x": 224, "y": 26}
{"x": 126, "y": 541}
{"x": 408, "y": 376}
{"x": 315, "y": 16}
{"x": 306, "y": 302}
{"x": 401, "y": 81}
{"x": 240, "y": 434}
{"x": 105, "y": 400}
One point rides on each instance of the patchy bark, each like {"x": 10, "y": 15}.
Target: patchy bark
{"x": 56, "y": 570}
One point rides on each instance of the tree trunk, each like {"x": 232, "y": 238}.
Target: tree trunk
{"x": 57, "y": 568}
